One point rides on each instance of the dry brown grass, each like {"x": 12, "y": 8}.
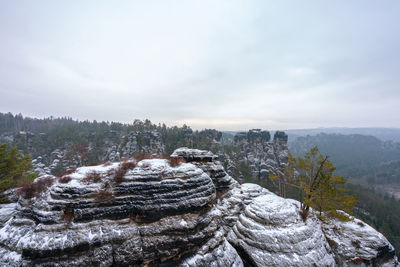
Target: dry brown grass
{"x": 174, "y": 162}
{"x": 29, "y": 190}
{"x": 103, "y": 195}
{"x": 124, "y": 159}
{"x": 361, "y": 224}
{"x": 69, "y": 171}
{"x": 139, "y": 157}
{"x": 357, "y": 260}
{"x": 95, "y": 163}
{"x": 119, "y": 173}
{"x": 332, "y": 243}
{"x": 356, "y": 243}
{"x": 303, "y": 214}
{"x": 92, "y": 177}
{"x": 65, "y": 179}
{"x": 128, "y": 165}
{"x": 68, "y": 214}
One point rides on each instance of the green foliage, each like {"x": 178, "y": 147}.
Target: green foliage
{"x": 15, "y": 168}
{"x": 318, "y": 187}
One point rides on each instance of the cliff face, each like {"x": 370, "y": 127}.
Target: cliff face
{"x": 114, "y": 148}
{"x": 262, "y": 155}
{"x": 255, "y": 149}
{"x": 166, "y": 213}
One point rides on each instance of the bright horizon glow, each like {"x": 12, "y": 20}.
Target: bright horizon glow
{"x": 228, "y": 65}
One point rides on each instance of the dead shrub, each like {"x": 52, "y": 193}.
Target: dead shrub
{"x": 357, "y": 260}
{"x": 174, "y": 162}
{"x": 332, "y": 243}
{"x": 92, "y": 177}
{"x": 68, "y": 214}
{"x": 29, "y": 190}
{"x": 356, "y": 243}
{"x": 103, "y": 195}
{"x": 303, "y": 214}
{"x": 43, "y": 183}
{"x": 160, "y": 157}
{"x": 119, "y": 174}
{"x": 360, "y": 223}
{"x": 127, "y": 165}
{"x": 67, "y": 172}
{"x": 65, "y": 179}
{"x": 68, "y": 217}
{"x": 219, "y": 195}
{"x": 95, "y": 163}
{"x": 139, "y": 157}
{"x": 110, "y": 172}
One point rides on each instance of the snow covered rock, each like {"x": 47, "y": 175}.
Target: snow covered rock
{"x": 157, "y": 213}
{"x": 355, "y": 243}
{"x": 222, "y": 255}
{"x": 270, "y": 232}
{"x": 189, "y": 214}
{"x": 6, "y": 212}
{"x": 208, "y": 162}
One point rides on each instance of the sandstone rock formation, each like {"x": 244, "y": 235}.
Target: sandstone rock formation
{"x": 160, "y": 212}
{"x": 259, "y": 153}
{"x": 207, "y": 161}
{"x": 274, "y": 233}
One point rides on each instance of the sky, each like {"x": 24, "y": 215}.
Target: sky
{"x": 229, "y": 65}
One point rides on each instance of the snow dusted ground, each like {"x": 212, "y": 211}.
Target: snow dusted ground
{"x": 6, "y": 212}
{"x": 357, "y": 242}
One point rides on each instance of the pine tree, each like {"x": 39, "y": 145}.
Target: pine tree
{"x": 15, "y": 168}
{"x": 313, "y": 176}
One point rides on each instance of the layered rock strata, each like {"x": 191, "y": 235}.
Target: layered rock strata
{"x": 209, "y": 163}
{"x": 190, "y": 214}
{"x": 357, "y": 243}
{"x": 259, "y": 153}
{"x": 157, "y": 214}
{"x": 276, "y": 234}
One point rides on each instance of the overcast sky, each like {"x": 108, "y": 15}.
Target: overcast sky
{"x": 210, "y": 64}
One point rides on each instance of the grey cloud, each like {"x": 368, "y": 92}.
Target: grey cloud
{"x": 223, "y": 64}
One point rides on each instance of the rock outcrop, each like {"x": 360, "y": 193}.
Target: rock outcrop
{"x": 259, "y": 153}
{"x": 208, "y": 162}
{"x": 274, "y": 233}
{"x": 161, "y": 212}
{"x": 357, "y": 243}
{"x": 145, "y": 142}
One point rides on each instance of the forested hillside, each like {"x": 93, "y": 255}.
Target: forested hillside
{"x": 42, "y": 136}
{"x": 358, "y": 157}
{"x": 383, "y": 134}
